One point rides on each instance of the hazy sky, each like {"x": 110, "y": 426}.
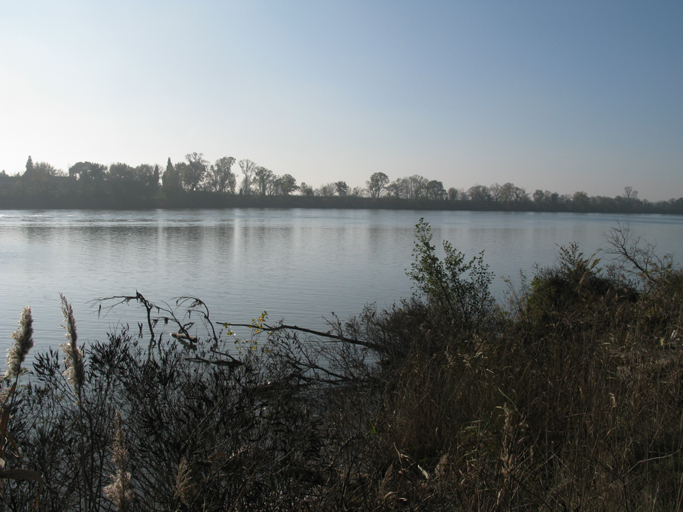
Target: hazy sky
{"x": 546, "y": 94}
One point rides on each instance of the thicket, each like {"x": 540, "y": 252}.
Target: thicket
{"x": 567, "y": 398}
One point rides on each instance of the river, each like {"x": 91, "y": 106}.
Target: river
{"x": 296, "y": 264}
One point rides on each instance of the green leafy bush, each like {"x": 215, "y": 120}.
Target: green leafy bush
{"x": 453, "y": 285}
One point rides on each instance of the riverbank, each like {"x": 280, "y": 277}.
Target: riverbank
{"x": 204, "y": 200}
{"x": 568, "y": 398}
{"x": 18, "y": 193}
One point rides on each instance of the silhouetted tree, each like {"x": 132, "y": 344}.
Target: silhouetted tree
{"x": 508, "y": 193}
{"x": 630, "y": 197}
{"x": 88, "y": 171}
{"x": 377, "y": 183}
{"x": 341, "y": 188}
{"x": 29, "y": 166}
{"x": 416, "y": 186}
{"x": 248, "y": 168}
{"x": 220, "y": 177}
{"x": 395, "y": 189}
{"x": 580, "y": 201}
{"x": 121, "y": 172}
{"x": 435, "y": 190}
{"x": 171, "y": 182}
{"x": 288, "y": 184}
{"x": 193, "y": 173}
{"x": 479, "y": 193}
{"x": 306, "y": 190}
{"x": 264, "y": 179}
{"x": 539, "y": 196}
{"x": 326, "y": 190}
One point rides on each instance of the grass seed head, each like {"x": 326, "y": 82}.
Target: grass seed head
{"x": 23, "y": 342}
{"x": 120, "y": 491}
{"x": 73, "y": 357}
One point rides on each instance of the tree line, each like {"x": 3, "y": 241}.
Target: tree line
{"x": 197, "y": 182}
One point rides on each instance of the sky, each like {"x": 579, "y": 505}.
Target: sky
{"x": 561, "y": 96}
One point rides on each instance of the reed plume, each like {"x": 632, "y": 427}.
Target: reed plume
{"x": 23, "y": 342}
{"x": 120, "y": 491}
{"x": 184, "y": 487}
{"x": 73, "y": 357}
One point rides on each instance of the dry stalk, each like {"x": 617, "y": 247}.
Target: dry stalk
{"x": 23, "y": 342}
{"x": 120, "y": 491}
{"x": 73, "y": 357}
{"x": 184, "y": 486}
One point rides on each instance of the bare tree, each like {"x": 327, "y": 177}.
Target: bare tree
{"x": 416, "y": 186}
{"x": 326, "y": 190}
{"x": 248, "y": 169}
{"x": 220, "y": 177}
{"x": 636, "y": 257}
{"x": 264, "y": 180}
{"x": 395, "y": 189}
{"x": 629, "y": 193}
{"x": 631, "y": 197}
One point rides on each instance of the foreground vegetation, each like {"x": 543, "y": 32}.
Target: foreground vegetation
{"x": 569, "y": 398}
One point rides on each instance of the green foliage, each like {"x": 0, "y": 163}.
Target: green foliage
{"x": 453, "y": 285}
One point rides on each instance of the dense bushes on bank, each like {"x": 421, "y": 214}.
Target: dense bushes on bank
{"x": 568, "y": 398}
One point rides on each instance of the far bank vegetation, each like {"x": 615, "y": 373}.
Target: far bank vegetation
{"x": 229, "y": 183}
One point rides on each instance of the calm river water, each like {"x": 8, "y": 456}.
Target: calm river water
{"x": 297, "y": 264}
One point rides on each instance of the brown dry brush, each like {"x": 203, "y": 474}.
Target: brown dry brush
{"x": 568, "y": 400}
{"x": 200, "y": 433}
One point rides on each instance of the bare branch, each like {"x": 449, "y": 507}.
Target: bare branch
{"x": 329, "y": 335}
{"x": 636, "y": 256}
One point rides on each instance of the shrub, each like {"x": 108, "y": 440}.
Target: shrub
{"x": 453, "y": 285}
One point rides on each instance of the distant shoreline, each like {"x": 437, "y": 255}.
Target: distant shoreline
{"x": 40, "y": 191}
{"x": 208, "y": 200}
